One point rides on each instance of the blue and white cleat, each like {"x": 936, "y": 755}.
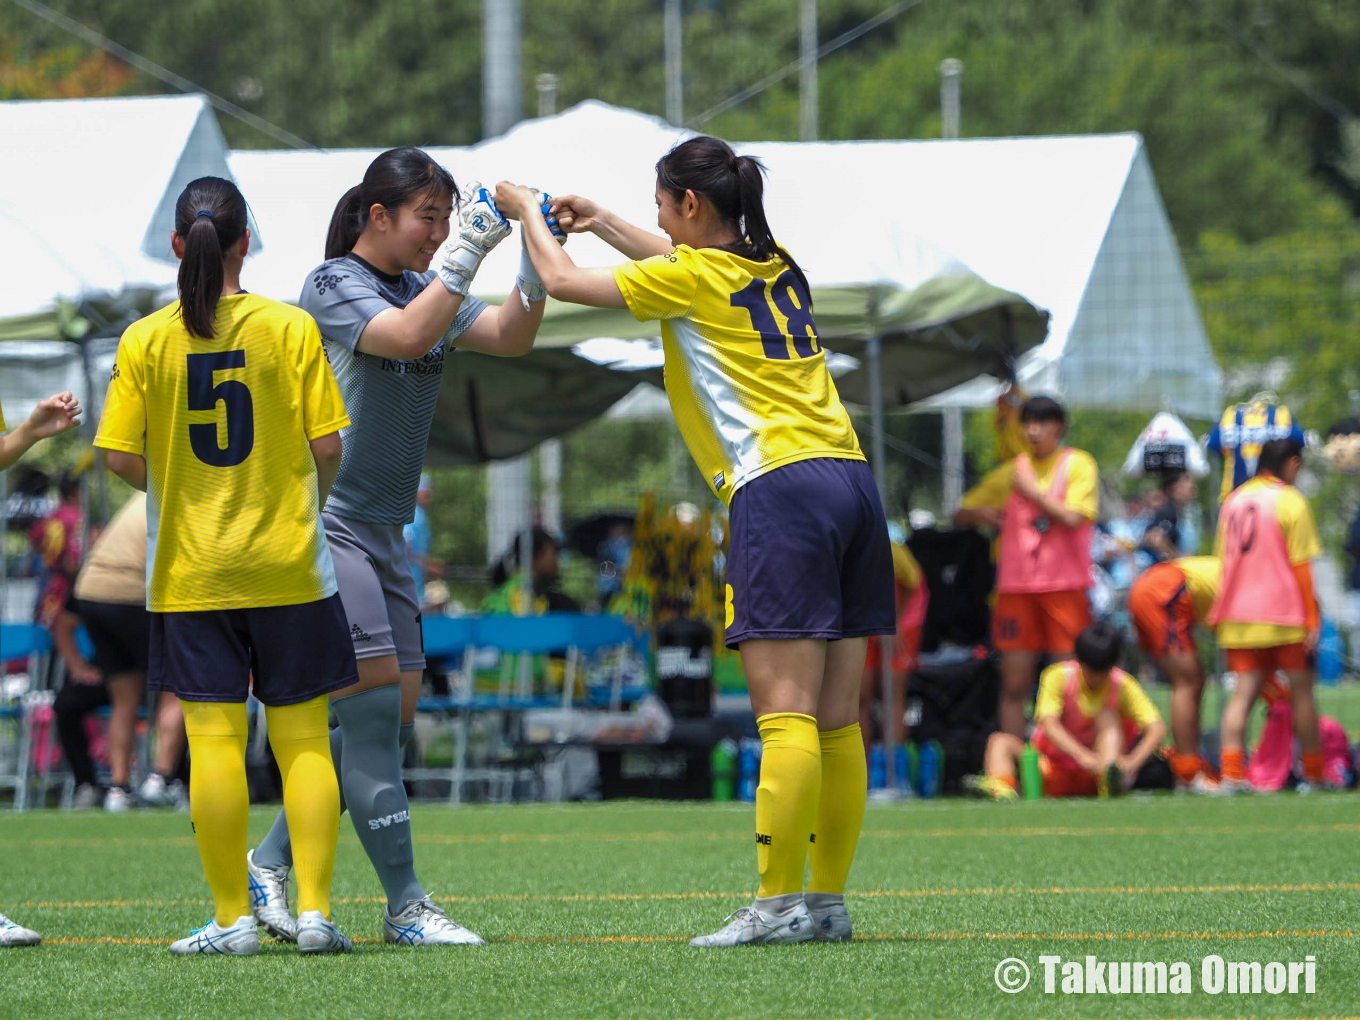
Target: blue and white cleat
{"x": 750, "y": 926}
{"x": 12, "y": 934}
{"x": 269, "y": 899}
{"x": 424, "y": 924}
{"x": 315, "y": 934}
{"x": 241, "y": 939}
{"x": 832, "y": 924}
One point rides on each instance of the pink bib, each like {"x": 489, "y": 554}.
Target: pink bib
{"x": 1038, "y": 554}
{"x": 1258, "y": 583}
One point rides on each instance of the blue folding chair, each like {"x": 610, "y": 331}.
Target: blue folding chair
{"x": 29, "y": 643}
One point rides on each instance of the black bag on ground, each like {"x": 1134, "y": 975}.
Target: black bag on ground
{"x": 955, "y": 703}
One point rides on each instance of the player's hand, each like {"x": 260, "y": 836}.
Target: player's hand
{"x": 1088, "y": 760}
{"x": 1025, "y": 483}
{"x": 544, "y": 201}
{"x": 576, "y": 214}
{"x": 85, "y": 675}
{"x": 515, "y": 200}
{"x": 480, "y": 228}
{"x": 1310, "y": 641}
{"x": 55, "y": 415}
{"x": 1128, "y": 765}
{"x": 989, "y": 515}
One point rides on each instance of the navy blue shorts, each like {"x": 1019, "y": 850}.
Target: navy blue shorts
{"x": 294, "y": 653}
{"x": 809, "y": 555}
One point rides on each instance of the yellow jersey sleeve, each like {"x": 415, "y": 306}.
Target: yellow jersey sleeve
{"x": 323, "y": 408}
{"x": 122, "y": 425}
{"x": 1052, "y": 685}
{"x": 905, "y": 568}
{"x": 2, "y": 419}
{"x": 993, "y": 491}
{"x": 1083, "y": 485}
{"x": 1135, "y": 705}
{"x": 661, "y": 287}
{"x": 1300, "y": 531}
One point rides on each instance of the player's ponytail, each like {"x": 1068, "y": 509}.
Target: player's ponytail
{"x": 396, "y": 177}
{"x": 210, "y": 217}
{"x": 736, "y": 187}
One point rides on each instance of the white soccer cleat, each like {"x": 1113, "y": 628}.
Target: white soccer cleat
{"x": 1201, "y": 785}
{"x": 241, "y": 939}
{"x": 12, "y": 934}
{"x": 85, "y": 797}
{"x": 832, "y": 924}
{"x": 317, "y": 935}
{"x": 750, "y": 926}
{"x": 156, "y": 791}
{"x": 1228, "y": 787}
{"x": 117, "y": 800}
{"x": 424, "y": 924}
{"x": 269, "y": 899}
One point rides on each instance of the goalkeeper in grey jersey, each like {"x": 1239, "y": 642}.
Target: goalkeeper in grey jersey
{"x": 388, "y": 321}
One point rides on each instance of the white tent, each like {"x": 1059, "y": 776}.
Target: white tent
{"x": 1077, "y": 226}
{"x": 86, "y": 212}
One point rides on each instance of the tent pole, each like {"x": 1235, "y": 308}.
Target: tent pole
{"x": 873, "y": 348}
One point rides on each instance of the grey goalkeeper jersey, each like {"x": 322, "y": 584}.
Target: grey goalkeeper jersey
{"x": 390, "y": 402}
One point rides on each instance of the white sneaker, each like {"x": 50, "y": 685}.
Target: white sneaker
{"x": 1201, "y": 785}
{"x": 750, "y": 926}
{"x": 12, "y": 934}
{"x": 1228, "y": 787}
{"x": 117, "y": 800}
{"x": 85, "y": 797}
{"x": 424, "y": 924}
{"x": 155, "y": 791}
{"x": 269, "y": 899}
{"x": 317, "y": 935}
{"x": 832, "y": 924}
{"x": 241, "y": 939}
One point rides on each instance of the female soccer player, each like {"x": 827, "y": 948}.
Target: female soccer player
{"x": 809, "y": 570}
{"x": 388, "y": 321}
{"x": 223, "y": 409}
{"x": 54, "y": 415}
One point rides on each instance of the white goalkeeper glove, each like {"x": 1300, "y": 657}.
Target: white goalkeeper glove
{"x": 480, "y": 228}
{"x": 530, "y": 285}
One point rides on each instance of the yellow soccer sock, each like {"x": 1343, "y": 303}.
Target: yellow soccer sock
{"x": 840, "y": 809}
{"x": 786, "y": 800}
{"x": 219, "y": 803}
{"x": 300, "y": 737}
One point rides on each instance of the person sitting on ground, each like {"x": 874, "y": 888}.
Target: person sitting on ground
{"x": 1090, "y": 716}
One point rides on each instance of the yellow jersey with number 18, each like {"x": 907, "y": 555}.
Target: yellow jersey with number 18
{"x": 233, "y": 517}
{"x": 745, "y": 371}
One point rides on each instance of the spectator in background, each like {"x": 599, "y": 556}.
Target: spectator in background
{"x": 508, "y": 596}
{"x": 1096, "y": 728}
{"x": 1162, "y": 538}
{"x": 420, "y": 539}
{"x": 56, "y": 540}
{"x": 1043, "y": 504}
{"x": 613, "y": 556}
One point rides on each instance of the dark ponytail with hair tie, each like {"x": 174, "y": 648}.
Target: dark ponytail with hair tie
{"x": 210, "y": 217}
{"x": 736, "y": 187}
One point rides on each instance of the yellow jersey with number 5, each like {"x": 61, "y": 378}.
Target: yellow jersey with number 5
{"x": 233, "y": 517}
{"x": 745, "y": 371}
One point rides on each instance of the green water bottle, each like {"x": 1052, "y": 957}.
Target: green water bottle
{"x": 723, "y": 765}
{"x": 1031, "y": 781}
{"x": 913, "y": 766}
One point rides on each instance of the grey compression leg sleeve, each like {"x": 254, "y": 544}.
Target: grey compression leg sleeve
{"x": 370, "y": 776}
{"x": 276, "y": 849}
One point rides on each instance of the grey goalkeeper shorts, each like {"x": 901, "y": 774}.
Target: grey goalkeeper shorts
{"x": 373, "y": 573}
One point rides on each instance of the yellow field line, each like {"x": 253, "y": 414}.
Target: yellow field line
{"x": 680, "y": 835}
{"x": 1087, "y": 890}
{"x": 941, "y": 936}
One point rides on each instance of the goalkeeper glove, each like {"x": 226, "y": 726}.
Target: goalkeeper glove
{"x": 480, "y": 228}
{"x": 529, "y": 283}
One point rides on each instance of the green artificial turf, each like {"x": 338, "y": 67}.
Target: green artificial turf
{"x": 587, "y": 909}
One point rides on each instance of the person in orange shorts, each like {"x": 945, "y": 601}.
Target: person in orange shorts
{"x": 1096, "y": 726}
{"x": 1165, "y": 603}
{"x": 1266, "y": 612}
{"x": 1042, "y": 504}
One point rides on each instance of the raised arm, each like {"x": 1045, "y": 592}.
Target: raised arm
{"x": 54, "y": 415}
{"x": 584, "y": 214}
{"x": 563, "y": 278}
